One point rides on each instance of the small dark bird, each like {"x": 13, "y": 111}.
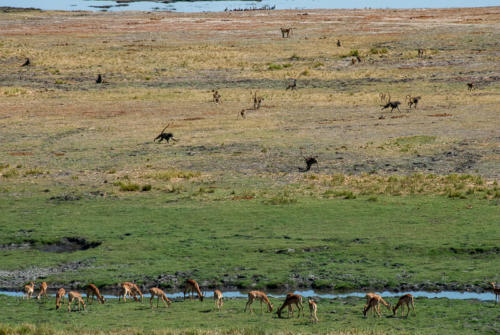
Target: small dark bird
{"x": 99, "y": 79}
{"x": 393, "y": 105}
{"x": 26, "y": 63}
{"x": 309, "y": 162}
{"x": 339, "y": 44}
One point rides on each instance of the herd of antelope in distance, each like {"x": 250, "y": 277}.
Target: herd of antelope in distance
{"x": 131, "y": 290}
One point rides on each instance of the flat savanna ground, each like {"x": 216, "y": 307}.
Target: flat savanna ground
{"x": 401, "y": 200}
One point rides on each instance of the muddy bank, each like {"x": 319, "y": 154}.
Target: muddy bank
{"x": 15, "y": 280}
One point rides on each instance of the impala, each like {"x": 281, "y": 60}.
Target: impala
{"x": 289, "y": 300}
{"x": 405, "y": 299}
{"x": 156, "y": 292}
{"x": 60, "y": 297}
{"x": 29, "y": 290}
{"x": 313, "y": 308}
{"x": 73, "y": 295}
{"x": 218, "y": 299}
{"x": 192, "y": 286}
{"x": 258, "y": 295}
{"x": 43, "y": 291}
{"x": 93, "y": 291}
{"x": 373, "y": 301}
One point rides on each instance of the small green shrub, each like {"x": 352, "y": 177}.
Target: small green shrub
{"x": 128, "y": 187}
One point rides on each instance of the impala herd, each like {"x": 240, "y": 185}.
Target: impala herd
{"x": 373, "y": 300}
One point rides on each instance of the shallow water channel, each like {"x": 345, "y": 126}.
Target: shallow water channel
{"x": 454, "y": 295}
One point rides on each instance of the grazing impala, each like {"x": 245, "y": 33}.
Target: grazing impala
{"x": 289, "y": 300}
{"x": 313, "y": 308}
{"x": 73, "y": 295}
{"x": 43, "y": 291}
{"x": 130, "y": 289}
{"x": 29, "y": 290}
{"x": 373, "y": 301}
{"x": 258, "y": 295}
{"x": 156, "y": 292}
{"x": 218, "y": 299}
{"x": 60, "y": 297}
{"x": 192, "y": 286}
{"x": 496, "y": 291}
{"x": 93, "y": 291}
{"x": 405, "y": 299}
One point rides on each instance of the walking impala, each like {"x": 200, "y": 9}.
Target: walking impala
{"x": 258, "y": 295}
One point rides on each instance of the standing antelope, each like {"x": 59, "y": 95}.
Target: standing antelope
{"x": 218, "y": 299}
{"x": 373, "y": 302}
{"x": 72, "y": 295}
{"x": 496, "y": 291}
{"x": 285, "y": 32}
{"x": 60, "y": 297}
{"x": 192, "y": 286}
{"x": 258, "y": 295}
{"x": 93, "y": 291}
{"x": 313, "y": 308}
{"x": 29, "y": 290}
{"x": 43, "y": 291}
{"x": 289, "y": 300}
{"x": 155, "y": 291}
{"x": 405, "y": 299}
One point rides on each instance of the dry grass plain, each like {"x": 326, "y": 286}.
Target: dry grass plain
{"x": 159, "y": 68}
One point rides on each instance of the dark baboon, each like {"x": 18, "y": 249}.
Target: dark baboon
{"x": 421, "y": 53}
{"x": 242, "y": 114}
{"x": 165, "y": 136}
{"x": 26, "y": 62}
{"x": 293, "y": 85}
{"x": 359, "y": 59}
{"x": 309, "y": 162}
{"x": 353, "y": 61}
{"x": 216, "y": 97}
{"x": 413, "y": 100}
{"x": 257, "y": 101}
{"x": 99, "y": 79}
{"x": 339, "y": 44}
{"x": 286, "y": 32}
{"x": 393, "y": 105}
{"x": 471, "y": 86}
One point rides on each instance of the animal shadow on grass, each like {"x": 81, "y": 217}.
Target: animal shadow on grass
{"x": 206, "y": 311}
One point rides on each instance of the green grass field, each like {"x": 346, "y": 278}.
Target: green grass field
{"x": 421, "y": 241}
{"x": 338, "y": 316}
